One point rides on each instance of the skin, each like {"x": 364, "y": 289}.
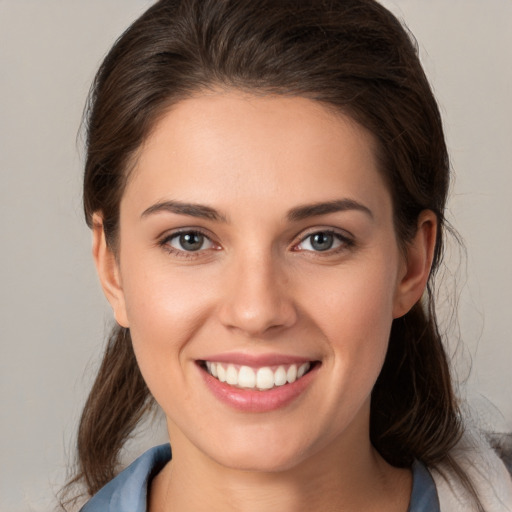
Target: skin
{"x": 258, "y": 286}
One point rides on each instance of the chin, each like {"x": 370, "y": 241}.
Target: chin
{"x": 265, "y": 461}
{"x": 269, "y": 455}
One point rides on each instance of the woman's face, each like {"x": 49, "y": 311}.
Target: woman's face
{"x": 257, "y": 243}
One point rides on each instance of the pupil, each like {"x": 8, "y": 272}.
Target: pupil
{"x": 191, "y": 241}
{"x": 322, "y": 241}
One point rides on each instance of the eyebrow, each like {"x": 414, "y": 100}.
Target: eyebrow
{"x": 294, "y": 215}
{"x": 191, "y": 209}
{"x": 339, "y": 205}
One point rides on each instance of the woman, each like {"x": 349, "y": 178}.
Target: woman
{"x": 266, "y": 183}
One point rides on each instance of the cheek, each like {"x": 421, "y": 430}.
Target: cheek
{"x": 360, "y": 299}
{"x": 168, "y": 315}
{"x": 161, "y": 297}
{"x": 162, "y": 306}
{"x": 354, "y": 311}
{"x": 165, "y": 310}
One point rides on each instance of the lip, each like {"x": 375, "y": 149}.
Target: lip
{"x": 256, "y": 401}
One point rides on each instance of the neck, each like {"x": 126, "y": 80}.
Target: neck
{"x": 349, "y": 476}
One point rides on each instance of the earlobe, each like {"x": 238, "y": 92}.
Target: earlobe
{"x": 108, "y": 271}
{"x": 416, "y": 269}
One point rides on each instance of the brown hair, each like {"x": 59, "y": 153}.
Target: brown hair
{"x": 352, "y": 55}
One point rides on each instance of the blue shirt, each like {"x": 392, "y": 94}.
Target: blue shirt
{"x": 127, "y": 492}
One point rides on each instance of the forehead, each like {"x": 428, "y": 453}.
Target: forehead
{"x": 219, "y": 147}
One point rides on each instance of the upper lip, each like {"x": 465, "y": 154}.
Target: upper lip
{"x": 256, "y": 360}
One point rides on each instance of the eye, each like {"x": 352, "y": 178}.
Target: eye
{"x": 322, "y": 241}
{"x": 188, "y": 241}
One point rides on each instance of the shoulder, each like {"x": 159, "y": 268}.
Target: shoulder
{"x": 127, "y": 492}
{"x": 486, "y": 470}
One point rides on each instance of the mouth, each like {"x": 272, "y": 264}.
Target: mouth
{"x": 258, "y": 384}
{"x": 262, "y": 378}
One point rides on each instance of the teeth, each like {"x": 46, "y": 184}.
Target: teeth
{"x": 291, "y": 374}
{"x": 303, "y": 368}
{"x": 280, "y": 376}
{"x": 262, "y": 378}
{"x": 221, "y": 373}
{"x": 232, "y": 375}
{"x": 265, "y": 378}
{"x": 246, "y": 377}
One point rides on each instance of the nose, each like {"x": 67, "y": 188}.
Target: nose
{"x": 257, "y": 298}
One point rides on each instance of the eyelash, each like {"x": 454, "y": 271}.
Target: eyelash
{"x": 165, "y": 243}
{"x": 347, "y": 243}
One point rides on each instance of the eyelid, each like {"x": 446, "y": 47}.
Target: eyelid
{"x": 170, "y": 233}
{"x": 346, "y": 238}
{"x": 177, "y": 236}
{"x": 163, "y": 241}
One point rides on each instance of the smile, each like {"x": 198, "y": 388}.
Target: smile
{"x": 263, "y": 378}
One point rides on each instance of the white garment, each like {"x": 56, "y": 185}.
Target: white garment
{"x": 486, "y": 470}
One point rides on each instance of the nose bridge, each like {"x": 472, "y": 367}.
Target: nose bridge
{"x": 257, "y": 295}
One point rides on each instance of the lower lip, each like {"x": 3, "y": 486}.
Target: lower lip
{"x": 253, "y": 400}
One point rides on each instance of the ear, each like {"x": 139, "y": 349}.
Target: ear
{"x": 416, "y": 266}
{"x": 107, "y": 267}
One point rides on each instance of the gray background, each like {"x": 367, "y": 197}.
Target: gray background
{"x": 53, "y": 316}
